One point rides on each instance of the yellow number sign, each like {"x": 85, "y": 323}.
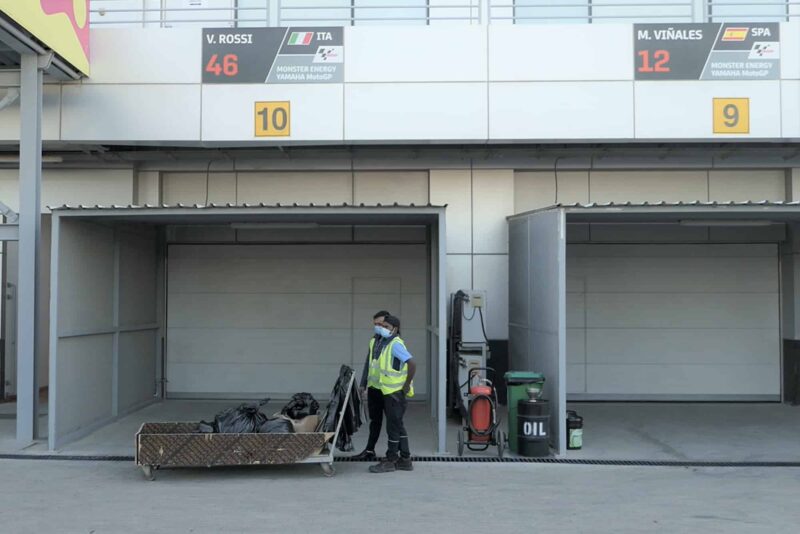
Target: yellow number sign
{"x": 731, "y": 115}
{"x": 273, "y": 119}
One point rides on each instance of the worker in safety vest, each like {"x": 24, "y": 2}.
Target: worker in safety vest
{"x": 395, "y": 371}
{"x": 371, "y": 387}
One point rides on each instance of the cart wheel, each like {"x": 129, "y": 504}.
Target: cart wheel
{"x": 501, "y": 444}
{"x": 461, "y": 443}
{"x": 149, "y": 472}
{"x": 328, "y": 470}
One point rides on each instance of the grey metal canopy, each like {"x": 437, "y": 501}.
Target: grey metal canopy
{"x": 227, "y": 213}
{"x": 537, "y": 274}
{"x": 672, "y": 212}
{"x": 105, "y": 296}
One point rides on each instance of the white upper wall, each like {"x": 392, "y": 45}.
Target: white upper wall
{"x": 73, "y": 186}
{"x": 465, "y": 84}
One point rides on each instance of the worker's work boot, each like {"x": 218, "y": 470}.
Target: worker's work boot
{"x": 386, "y": 466}
{"x": 404, "y": 464}
{"x": 365, "y": 456}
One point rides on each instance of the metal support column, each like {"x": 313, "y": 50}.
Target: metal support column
{"x": 30, "y": 179}
{"x": 699, "y": 11}
{"x": 484, "y": 12}
{"x": 273, "y": 13}
{"x": 441, "y": 324}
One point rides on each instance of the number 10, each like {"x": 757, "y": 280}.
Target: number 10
{"x": 273, "y": 119}
{"x": 277, "y": 120}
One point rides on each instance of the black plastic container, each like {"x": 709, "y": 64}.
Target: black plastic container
{"x": 533, "y": 428}
{"x": 574, "y": 430}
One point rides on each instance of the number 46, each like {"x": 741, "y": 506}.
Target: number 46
{"x": 229, "y": 66}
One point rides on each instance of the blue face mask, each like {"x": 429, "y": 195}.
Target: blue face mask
{"x": 383, "y": 332}
{"x": 377, "y": 329}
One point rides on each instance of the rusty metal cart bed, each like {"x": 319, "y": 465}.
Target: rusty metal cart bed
{"x": 172, "y": 445}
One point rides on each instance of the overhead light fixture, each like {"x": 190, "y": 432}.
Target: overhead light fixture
{"x": 726, "y": 222}
{"x": 274, "y": 226}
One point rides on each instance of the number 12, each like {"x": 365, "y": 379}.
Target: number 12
{"x": 661, "y": 58}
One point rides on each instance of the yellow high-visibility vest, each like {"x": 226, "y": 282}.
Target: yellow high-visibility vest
{"x": 392, "y": 381}
{"x": 374, "y": 375}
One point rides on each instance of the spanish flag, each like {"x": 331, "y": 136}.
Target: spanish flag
{"x": 735, "y": 34}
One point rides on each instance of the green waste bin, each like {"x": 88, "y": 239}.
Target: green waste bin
{"x": 517, "y": 383}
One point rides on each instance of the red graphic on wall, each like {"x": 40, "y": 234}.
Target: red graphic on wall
{"x": 79, "y": 21}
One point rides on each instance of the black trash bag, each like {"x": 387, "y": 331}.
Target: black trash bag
{"x": 352, "y": 411}
{"x": 278, "y": 425}
{"x": 205, "y": 427}
{"x": 244, "y": 419}
{"x": 301, "y": 405}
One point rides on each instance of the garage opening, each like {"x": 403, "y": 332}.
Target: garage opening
{"x": 175, "y": 312}
{"x": 662, "y": 325}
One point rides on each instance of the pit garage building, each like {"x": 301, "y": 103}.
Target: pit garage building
{"x": 209, "y": 234}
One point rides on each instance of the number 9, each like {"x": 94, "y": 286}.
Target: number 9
{"x": 731, "y": 114}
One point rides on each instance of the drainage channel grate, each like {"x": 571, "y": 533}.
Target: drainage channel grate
{"x": 576, "y": 461}
{"x": 455, "y": 459}
{"x": 72, "y": 458}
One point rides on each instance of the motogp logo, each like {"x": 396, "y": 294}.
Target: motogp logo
{"x": 329, "y": 54}
{"x": 765, "y": 50}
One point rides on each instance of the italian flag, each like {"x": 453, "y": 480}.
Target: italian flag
{"x": 301, "y": 38}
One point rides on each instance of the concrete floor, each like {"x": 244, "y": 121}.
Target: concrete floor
{"x": 112, "y": 497}
{"x": 8, "y": 424}
{"x": 117, "y": 438}
{"x": 675, "y": 431}
{"x": 612, "y": 431}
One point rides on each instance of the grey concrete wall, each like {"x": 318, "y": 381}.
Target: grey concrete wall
{"x": 538, "y": 189}
{"x": 665, "y": 321}
{"x": 82, "y": 351}
{"x": 137, "y": 369}
{"x": 137, "y": 350}
{"x": 43, "y": 311}
{"x": 790, "y": 283}
{"x": 43, "y": 356}
{"x": 478, "y": 200}
{"x": 73, "y": 186}
{"x": 103, "y": 343}
{"x": 310, "y": 304}
{"x": 519, "y": 317}
{"x": 673, "y": 233}
{"x": 548, "y": 315}
{"x": 537, "y": 310}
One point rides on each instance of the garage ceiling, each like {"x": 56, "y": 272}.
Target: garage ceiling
{"x": 9, "y": 58}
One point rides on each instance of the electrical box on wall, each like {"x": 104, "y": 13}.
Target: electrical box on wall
{"x": 476, "y": 299}
{"x": 473, "y": 317}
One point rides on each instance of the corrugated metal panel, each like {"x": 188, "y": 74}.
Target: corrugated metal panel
{"x": 760, "y": 203}
{"x": 616, "y": 206}
{"x": 245, "y": 205}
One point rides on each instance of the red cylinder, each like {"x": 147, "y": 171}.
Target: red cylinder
{"x": 480, "y": 412}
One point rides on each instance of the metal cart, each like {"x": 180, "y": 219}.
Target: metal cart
{"x": 168, "y": 445}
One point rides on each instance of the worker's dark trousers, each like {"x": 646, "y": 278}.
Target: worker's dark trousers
{"x": 375, "y": 408}
{"x": 394, "y": 406}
